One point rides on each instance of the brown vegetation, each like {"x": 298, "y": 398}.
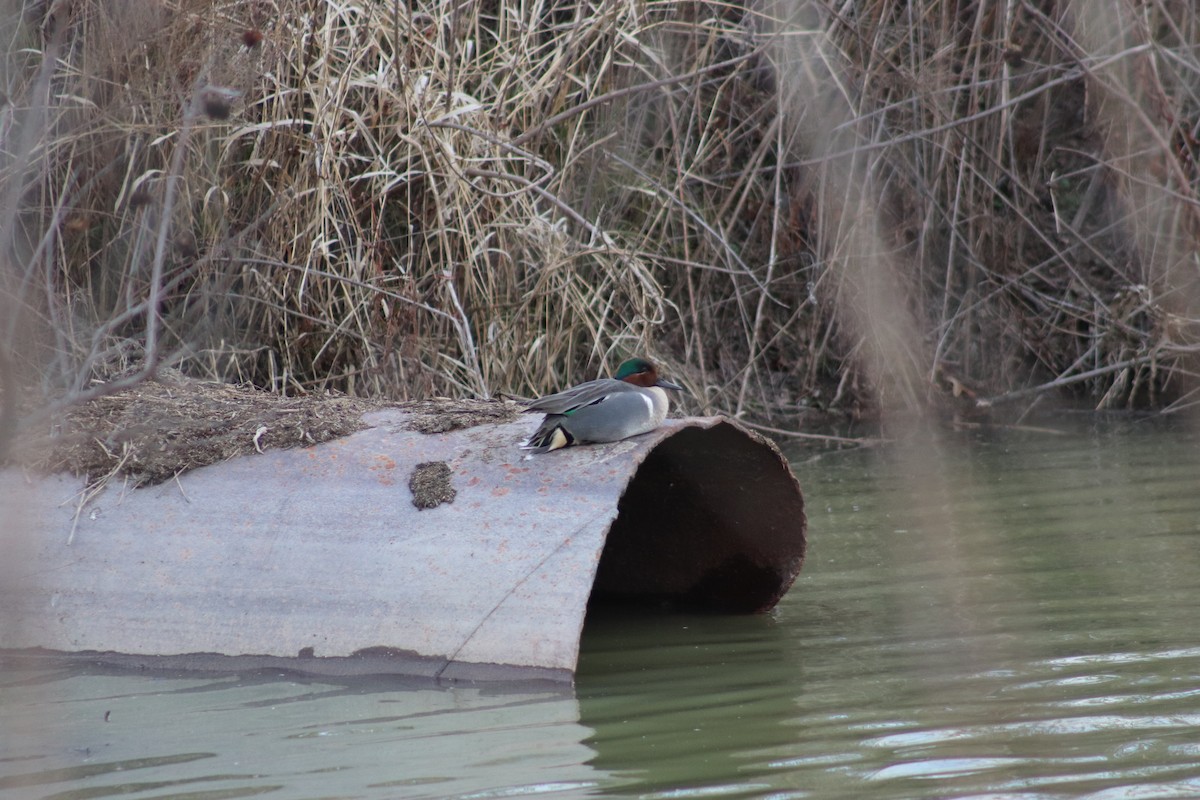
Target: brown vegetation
{"x": 160, "y": 428}
{"x": 794, "y": 206}
{"x": 163, "y": 427}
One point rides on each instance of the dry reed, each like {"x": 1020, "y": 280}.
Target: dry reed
{"x": 795, "y": 206}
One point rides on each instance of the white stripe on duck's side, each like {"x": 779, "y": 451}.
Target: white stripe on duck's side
{"x": 652, "y": 404}
{"x": 603, "y": 410}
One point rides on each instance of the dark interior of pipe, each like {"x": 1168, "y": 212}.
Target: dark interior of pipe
{"x": 712, "y": 519}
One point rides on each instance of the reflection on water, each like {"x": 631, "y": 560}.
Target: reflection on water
{"x": 1011, "y": 616}
{"x": 112, "y": 734}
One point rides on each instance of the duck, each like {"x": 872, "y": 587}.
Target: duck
{"x": 633, "y": 402}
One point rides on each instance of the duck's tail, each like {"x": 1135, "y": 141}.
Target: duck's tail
{"x": 550, "y": 436}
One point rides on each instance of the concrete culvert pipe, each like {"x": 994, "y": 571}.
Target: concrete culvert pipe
{"x": 425, "y": 543}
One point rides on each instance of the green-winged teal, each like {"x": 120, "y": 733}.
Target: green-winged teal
{"x": 603, "y": 410}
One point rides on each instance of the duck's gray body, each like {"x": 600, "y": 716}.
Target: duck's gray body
{"x": 603, "y": 410}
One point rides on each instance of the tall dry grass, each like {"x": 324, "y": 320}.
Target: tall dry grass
{"x": 795, "y": 206}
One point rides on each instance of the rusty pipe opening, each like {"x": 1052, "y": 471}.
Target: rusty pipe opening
{"x": 713, "y": 518}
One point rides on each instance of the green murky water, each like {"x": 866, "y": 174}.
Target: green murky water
{"x": 1016, "y": 616}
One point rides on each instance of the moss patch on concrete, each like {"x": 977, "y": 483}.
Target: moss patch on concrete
{"x": 440, "y": 416}
{"x": 430, "y": 485}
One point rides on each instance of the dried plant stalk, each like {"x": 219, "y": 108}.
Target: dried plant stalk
{"x": 795, "y": 206}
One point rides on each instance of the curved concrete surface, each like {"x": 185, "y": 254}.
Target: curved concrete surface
{"x": 449, "y": 555}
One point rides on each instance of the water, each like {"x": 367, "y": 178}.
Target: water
{"x": 1011, "y": 616}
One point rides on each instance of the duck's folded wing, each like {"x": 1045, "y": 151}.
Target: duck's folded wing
{"x": 577, "y": 397}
